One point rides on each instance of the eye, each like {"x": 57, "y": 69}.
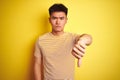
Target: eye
{"x": 61, "y": 18}
{"x": 53, "y": 18}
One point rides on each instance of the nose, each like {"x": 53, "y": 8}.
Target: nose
{"x": 57, "y": 21}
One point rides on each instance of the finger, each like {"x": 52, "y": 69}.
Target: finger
{"x": 78, "y": 52}
{"x": 80, "y": 48}
{"x": 76, "y": 55}
{"x": 82, "y": 44}
{"x": 79, "y": 62}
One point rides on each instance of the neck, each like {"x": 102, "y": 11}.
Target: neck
{"x": 57, "y": 33}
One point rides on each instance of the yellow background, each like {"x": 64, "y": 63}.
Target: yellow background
{"x": 22, "y": 21}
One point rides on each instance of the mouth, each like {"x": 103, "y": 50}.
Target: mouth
{"x": 58, "y": 26}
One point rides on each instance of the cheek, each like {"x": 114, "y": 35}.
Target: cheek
{"x": 52, "y": 22}
{"x": 64, "y": 22}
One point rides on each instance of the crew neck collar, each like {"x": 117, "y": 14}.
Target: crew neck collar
{"x": 57, "y": 35}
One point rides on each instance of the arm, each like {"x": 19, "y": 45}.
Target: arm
{"x": 80, "y": 46}
{"x": 38, "y": 69}
{"x": 38, "y": 63}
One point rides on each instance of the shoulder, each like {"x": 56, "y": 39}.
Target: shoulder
{"x": 73, "y": 34}
{"x": 44, "y": 36}
{"x": 41, "y": 39}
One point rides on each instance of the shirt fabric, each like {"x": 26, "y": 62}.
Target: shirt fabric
{"x": 58, "y": 62}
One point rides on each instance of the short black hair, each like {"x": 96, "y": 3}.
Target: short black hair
{"x": 58, "y": 7}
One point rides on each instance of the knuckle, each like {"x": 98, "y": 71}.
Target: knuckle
{"x": 81, "y": 54}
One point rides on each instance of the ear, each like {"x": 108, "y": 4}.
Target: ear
{"x": 66, "y": 20}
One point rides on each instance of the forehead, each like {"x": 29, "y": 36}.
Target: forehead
{"x": 58, "y": 14}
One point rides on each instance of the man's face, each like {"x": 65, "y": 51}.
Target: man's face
{"x": 58, "y": 21}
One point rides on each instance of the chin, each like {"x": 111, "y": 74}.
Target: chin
{"x": 59, "y": 30}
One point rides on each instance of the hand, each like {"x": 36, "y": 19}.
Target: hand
{"x": 79, "y": 50}
{"x": 80, "y": 46}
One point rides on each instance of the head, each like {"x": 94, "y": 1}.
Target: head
{"x": 58, "y": 17}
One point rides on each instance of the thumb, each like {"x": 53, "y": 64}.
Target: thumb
{"x": 79, "y": 62}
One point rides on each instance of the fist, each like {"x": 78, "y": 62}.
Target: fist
{"x": 79, "y": 50}
{"x": 80, "y": 46}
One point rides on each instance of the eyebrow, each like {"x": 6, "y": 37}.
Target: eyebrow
{"x": 58, "y": 17}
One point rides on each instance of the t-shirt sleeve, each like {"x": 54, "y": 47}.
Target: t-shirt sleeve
{"x": 37, "y": 50}
{"x": 76, "y": 37}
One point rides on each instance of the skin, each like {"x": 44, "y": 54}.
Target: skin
{"x": 58, "y": 21}
{"x": 38, "y": 69}
{"x": 80, "y": 46}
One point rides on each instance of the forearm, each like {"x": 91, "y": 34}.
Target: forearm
{"x": 38, "y": 69}
{"x": 37, "y": 72}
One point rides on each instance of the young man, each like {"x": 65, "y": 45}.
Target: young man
{"x": 55, "y": 51}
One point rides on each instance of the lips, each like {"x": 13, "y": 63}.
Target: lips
{"x": 58, "y": 26}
